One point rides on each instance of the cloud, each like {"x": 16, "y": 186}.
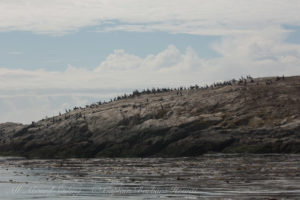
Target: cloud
{"x": 35, "y": 107}
{"x": 37, "y": 93}
{"x": 253, "y": 42}
{"x": 214, "y": 17}
{"x": 15, "y": 53}
{"x": 260, "y": 54}
{"x": 120, "y": 60}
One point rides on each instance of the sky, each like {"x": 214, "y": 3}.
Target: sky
{"x": 58, "y": 54}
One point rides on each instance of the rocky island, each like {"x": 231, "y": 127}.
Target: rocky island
{"x": 260, "y": 115}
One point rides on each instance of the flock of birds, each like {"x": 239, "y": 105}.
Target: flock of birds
{"x": 243, "y": 81}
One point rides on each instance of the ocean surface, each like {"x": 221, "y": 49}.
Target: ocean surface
{"x": 214, "y": 176}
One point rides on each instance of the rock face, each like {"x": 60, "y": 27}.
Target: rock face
{"x": 257, "y": 116}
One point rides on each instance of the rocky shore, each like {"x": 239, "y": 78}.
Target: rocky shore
{"x": 259, "y": 115}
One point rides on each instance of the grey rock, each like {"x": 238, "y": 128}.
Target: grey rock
{"x": 238, "y": 118}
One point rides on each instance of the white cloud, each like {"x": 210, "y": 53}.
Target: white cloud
{"x": 262, "y": 54}
{"x": 46, "y": 93}
{"x": 253, "y": 42}
{"x": 15, "y": 53}
{"x": 35, "y": 107}
{"x": 213, "y": 17}
{"x": 120, "y": 60}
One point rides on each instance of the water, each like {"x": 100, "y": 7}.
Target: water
{"x": 207, "y": 177}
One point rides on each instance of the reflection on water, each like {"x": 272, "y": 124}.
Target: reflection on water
{"x": 207, "y": 177}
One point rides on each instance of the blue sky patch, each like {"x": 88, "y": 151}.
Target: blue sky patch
{"x": 88, "y": 48}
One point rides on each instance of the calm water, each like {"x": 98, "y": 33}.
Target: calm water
{"x": 205, "y": 177}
